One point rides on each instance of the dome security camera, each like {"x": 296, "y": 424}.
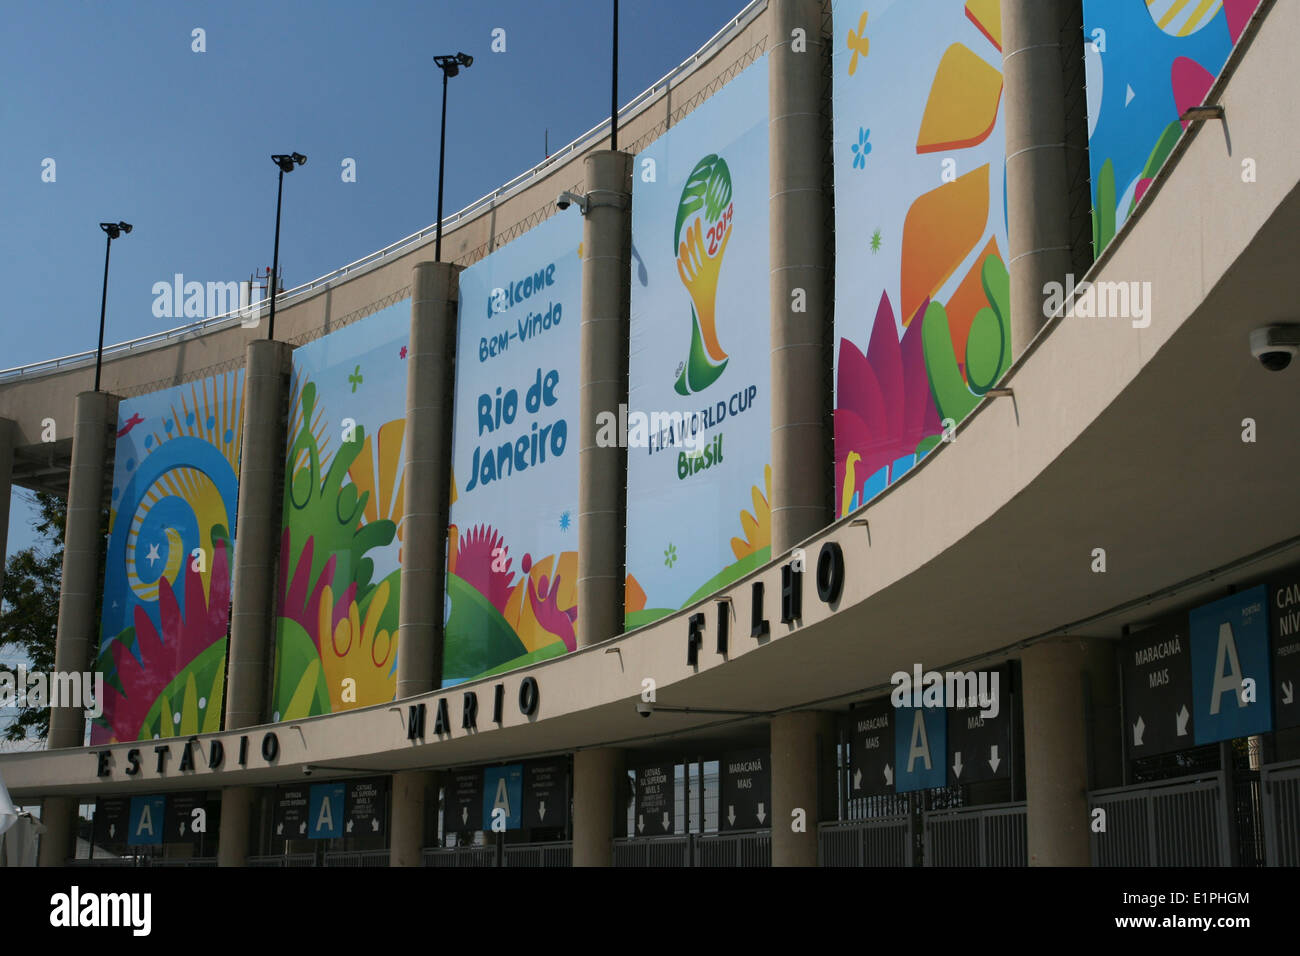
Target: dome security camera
{"x": 566, "y": 199}
{"x": 1275, "y": 345}
{"x": 644, "y": 708}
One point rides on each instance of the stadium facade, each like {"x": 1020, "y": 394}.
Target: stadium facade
{"x": 797, "y": 490}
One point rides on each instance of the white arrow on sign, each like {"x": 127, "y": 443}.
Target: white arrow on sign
{"x": 279, "y": 830}
{"x": 112, "y": 829}
{"x": 302, "y": 827}
{"x": 956, "y": 763}
{"x": 541, "y": 810}
{"x": 889, "y": 775}
{"x": 857, "y": 779}
{"x": 464, "y": 815}
{"x": 640, "y": 824}
{"x": 1182, "y": 721}
{"x": 731, "y": 813}
{"x": 1138, "y": 729}
{"x": 994, "y": 759}
{"x": 349, "y": 826}
{"x": 374, "y": 824}
{"x": 1288, "y": 692}
{"x": 762, "y": 814}
{"x": 665, "y": 821}
{"x": 182, "y": 828}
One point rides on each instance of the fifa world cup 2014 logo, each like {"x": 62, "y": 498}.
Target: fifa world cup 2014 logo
{"x": 700, "y": 239}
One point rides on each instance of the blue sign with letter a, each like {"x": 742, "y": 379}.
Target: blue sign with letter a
{"x": 920, "y": 748}
{"x": 145, "y": 823}
{"x": 1230, "y": 668}
{"x": 325, "y": 811}
{"x": 503, "y": 789}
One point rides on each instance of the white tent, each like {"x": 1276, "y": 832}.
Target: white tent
{"x": 18, "y": 832}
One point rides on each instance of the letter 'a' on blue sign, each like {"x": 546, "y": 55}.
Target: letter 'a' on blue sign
{"x": 503, "y": 787}
{"x": 145, "y": 824}
{"x": 1230, "y": 675}
{"x": 920, "y": 748}
{"x": 325, "y": 811}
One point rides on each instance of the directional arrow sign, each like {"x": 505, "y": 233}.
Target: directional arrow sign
{"x": 110, "y": 818}
{"x": 640, "y": 824}
{"x": 889, "y": 775}
{"x": 366, "y": 802}
{"x": 180, "y": 811}
{"x": 290, "y": 810}
{"x": 302, "y": 827}
{"x": 656, "y": 788}
{"x": 349, "y": 826}
{"x": 870, "y": 729}
{"x": 374, "y": 826}
{"x": 541, "y": 810}
{"x": 467, "y": 799}
{"x": 1284, "y": 645}
{"x": 546, "y": 793}
{"x": 746, "y": 786}
{"x": 982, "y": 730}
{"x": 1157, "y": 673}
{"x": 994, "y": 760}
{"x": 1181, "y": 718}
{"x": 956, "y": 764}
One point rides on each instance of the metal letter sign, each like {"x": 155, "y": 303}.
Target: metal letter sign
{"x": 503, "y": 790}
{"x": 920, "y": 748}
{"x": 1284, "y": 611}
{"x": 746, "y": 790}
{"x": 1229, "y": 652}
{"x": 656, "y": 789}
{"x": 145, "y": 827}
{"x": 1157, "y": 668}
{"x": 979, "y": 748}
{"x": 466, "y": 811}
{"x": 290, "y": 819}
{"x": 871, "y": 749}
{"x": 325, "y": 811}
{"x": 545, "y": 794}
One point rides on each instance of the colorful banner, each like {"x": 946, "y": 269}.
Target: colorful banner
{"x": 341, "y": 538}
{"x": 698, "y": 422}
{"x": 512, "y": 555}
{"x": 922, "y": 324}
{"x": 1146, "y": 64}
{"x": 166, "y": 606}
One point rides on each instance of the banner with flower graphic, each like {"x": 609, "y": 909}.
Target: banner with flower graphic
{"x": 698, "y": 421}
{"x": 340, "y": 545}
{"x": 1147, "y": 63}
{"x": 922, "y": 325}
{"x": 166, "y": 601}
{"x": 512, "y": 554}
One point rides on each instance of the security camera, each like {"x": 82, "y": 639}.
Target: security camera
{"x": 645, "y": 708}
{"x": 1275, "y": 345}
{"x": 306, "y": 771}
{"x": 566, "y": 199}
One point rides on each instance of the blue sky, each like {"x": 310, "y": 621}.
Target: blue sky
{"x": 177, "y": 142}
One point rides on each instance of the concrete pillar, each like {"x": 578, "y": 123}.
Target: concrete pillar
{"x": 8, "y": 435}
{"x": 236, "y": 825}
{"x": 412, "y": 790}
{"x": 800, "y": 400}
{"x": 96, "y": 416}
{"x": 257, "y": 531}
{"x": 1054, "y": 679}
{"x": 597, "y": 785}
{"x": 602, "y": 472}
{"x": 803, "y": 764}
{"x": 59, "y": 841}
{"x": 430, "y": 392}
{"x": 1039, "y": 140}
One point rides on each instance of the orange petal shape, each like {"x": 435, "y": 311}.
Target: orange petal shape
{"x": 966, "y": 301}
{"x": 940, "y": 230}
{"x": 634, "y": 596}
{"x": 987, "y": 15}
{"x": 963, "y": 104}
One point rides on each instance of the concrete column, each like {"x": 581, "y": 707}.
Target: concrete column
{"x": 96, "y": 415}
{"x": 597, "y": 784}
{"x": 236, "y": 825}
{"x": 602, "y": 472}
{"x": 411, "y": 792}
{"x": 1053, "y": 675}
{"x": 430, "y": 392}
{"x": 800, "y": 400}
{"x": 59, "y": 841}
{"x": 8, "y": 435}
{"x": 1038, "y": 142}
{"x": 257, "y": 531}
{"x": 802, "y": 759}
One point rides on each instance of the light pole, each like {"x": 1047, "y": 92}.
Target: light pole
{"x": 286, "y": 164}
{"x": 113, "y": 229}
{"x": 450, "y": 65}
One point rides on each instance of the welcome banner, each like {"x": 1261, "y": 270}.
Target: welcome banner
{"x": 699, "y": 411}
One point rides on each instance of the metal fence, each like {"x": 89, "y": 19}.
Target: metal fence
{"x": 657, "y": 851}
{"x": 282, "y": 860}
{"x": 747, "y": 848}
{"x": 976, "y": 836}
{"x": 1281, "y": 792}
{"x": 539, "y": 854}
{"x": 1181, "y": 822}
{"x": 883, "y": 841}
{"x": 356, "y": 858}
{"x": 196, "y": 861}
{"x": 461, "y": 856}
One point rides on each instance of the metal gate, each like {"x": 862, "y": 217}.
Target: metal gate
{"x": 1281, "y": 786}
{"x": 976, "y": 836}
{"x": 538, "y": 854}
{"x": 658, "y": 851}
{"x": 1181, "y": 822}
{"x": 356, "y": 858}
{"x": 883, "y": 841}
{"x": 747, "y": 848}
